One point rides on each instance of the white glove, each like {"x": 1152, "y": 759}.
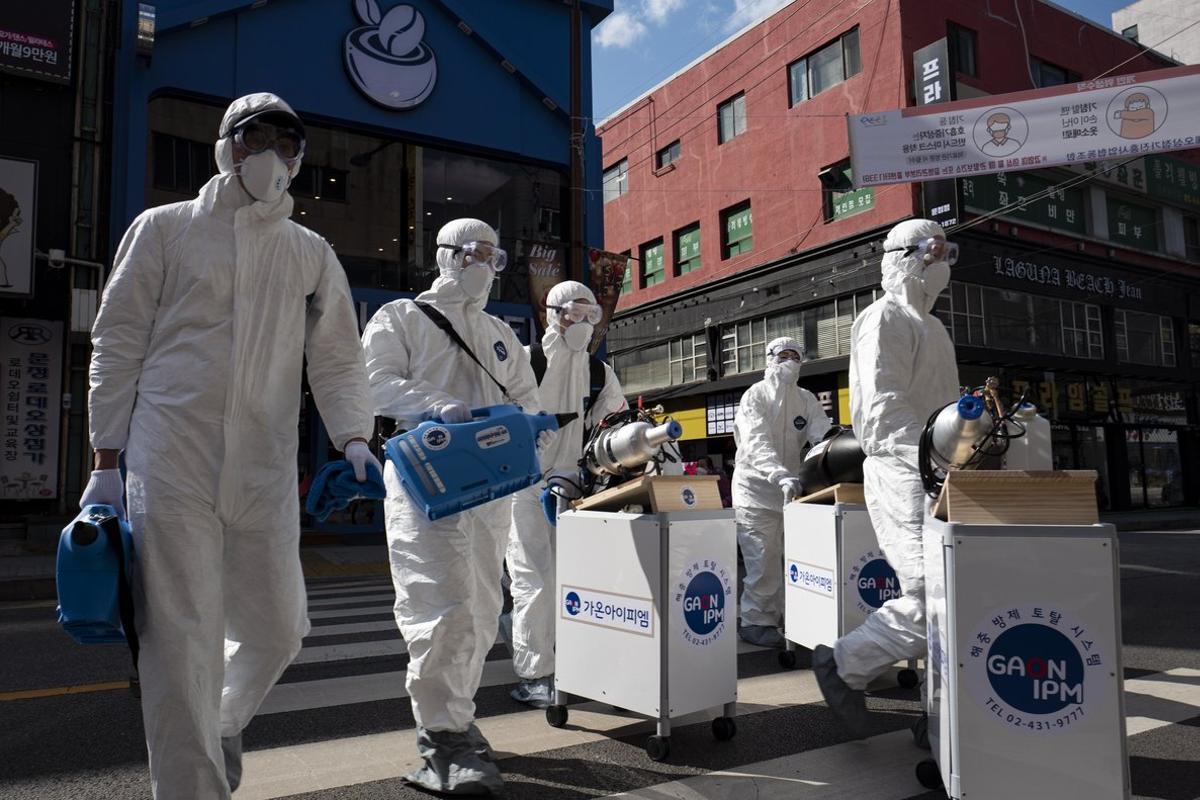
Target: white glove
{"x": 791, "y": 489}
{"x": 359, "y": 455}
{"x": 453, "y": 412}
{"x": 105, "y": 487}
{"x": 544, "y": 438}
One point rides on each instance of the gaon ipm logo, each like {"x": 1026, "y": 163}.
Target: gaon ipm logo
{"x": 702, "y": 592}
{"x": 877, "y": 583}
{"x": 436, "y": 438}
{"x": 688, "y": 496}
{"x": 572, "y": 603}
{"x": 1034, "y": 667}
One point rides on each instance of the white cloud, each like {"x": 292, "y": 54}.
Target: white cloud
{"x": 620, "y": 30}
{"x": 748, "y": 11}
{"x": 659, "y": 10}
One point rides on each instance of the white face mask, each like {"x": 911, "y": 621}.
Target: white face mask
{"x": 789, "y": 370}
{"x": 578, "y": 336}
{"x": 476, "y": 281}
{"x": 935, "y": 278}
{"x": 264, "y": 176}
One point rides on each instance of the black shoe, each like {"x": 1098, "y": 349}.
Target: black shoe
{"x": 231, "y": 748}
{"x": 848, "y": 705}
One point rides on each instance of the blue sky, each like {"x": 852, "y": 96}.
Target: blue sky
{"x": 644, "y": 41}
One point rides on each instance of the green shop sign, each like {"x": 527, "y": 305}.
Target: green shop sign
{"x": 1062, "y": 209}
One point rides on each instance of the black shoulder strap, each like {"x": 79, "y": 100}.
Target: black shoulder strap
{"x": 112, "y": 529}
{"x": 439, "y": 319}
{"x": 537, "y": 359}
{"x": 597, "y": 377}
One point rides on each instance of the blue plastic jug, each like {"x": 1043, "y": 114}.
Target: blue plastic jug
{"x": 448, "y": 468}
{"x": 95, "y": 554}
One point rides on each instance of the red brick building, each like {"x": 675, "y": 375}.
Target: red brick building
{"x": 728, "y": 185}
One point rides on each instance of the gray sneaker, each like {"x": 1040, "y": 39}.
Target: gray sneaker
{"x": 848, "y": 705}
{"x": 536, "y": 692}
{"x": 761, "y": 635}
{"x": 231, "y": 748}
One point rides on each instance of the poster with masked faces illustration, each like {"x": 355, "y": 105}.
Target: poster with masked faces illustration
{"x": 608, "y": 274}
{"x": 1116, "y": 118}
{"x": 18, "y": 207}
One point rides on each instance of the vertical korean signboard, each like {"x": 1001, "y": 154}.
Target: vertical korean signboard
{"x": 36, "y": 39}
{"x": 31, "y": 360}
{"x": 935, "y": 84}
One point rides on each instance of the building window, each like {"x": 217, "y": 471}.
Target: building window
{"x": 668, "y": 155}
{"x": 689, "y": 359}
{"x": 829, "y": 66}
{"x": 549, "y": 223}
{"x": 731, "y": 118}
{"x": 1144, "y": 339}
{"x": 182, "y": 165}
{"x": 1081, "y": 333}
{"x": 963, "y": 44}
{"x": 1130, "y": 33}
{"x": 687, "y": 249}
{"x": 627, "y": 281}
{"x": 653, "y": 270}
{"x": 1194, "y": 340}
{"x": 1047, "y": 74}
{"x": 961, "y": 310}
{"x": 737, "y": 230}
{"x": 744, "y": 346}
{"x": 616, "y": 180}
{"x": 320, "y": 183}
{"x": 642, "y": 370}
{"x": 1191, "y": 237}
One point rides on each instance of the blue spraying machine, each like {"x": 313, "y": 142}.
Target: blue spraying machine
{"x": 95, "y": 555}
{"x": 448, "y": 468}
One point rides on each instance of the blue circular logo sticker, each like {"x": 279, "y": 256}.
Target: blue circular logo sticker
{"x": 794, "y": 573}
{"x": 436, "y": 438}
{"x": 572, "y": 603}
{"x": 877, "y": 583}
{"x": 703, "y": 594}
{"x": 799, "y": 422}
{"x": 1040, "y": 669}
{"x": 688, "y": 496}
{"x": 501, "y": 351}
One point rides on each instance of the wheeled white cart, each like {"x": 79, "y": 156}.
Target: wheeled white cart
{"x": 1025, "y": 679}
{"x": 647, "y": 605}
{"x": 835, "y": 574}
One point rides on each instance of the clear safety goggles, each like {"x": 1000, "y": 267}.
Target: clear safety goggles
{"x": 256, "y": 137}
{"x": 788, "y": 355}
{"x": 931, "y": 250}
{"x": 480, "y": 253}
{"x": 577, "y": 311}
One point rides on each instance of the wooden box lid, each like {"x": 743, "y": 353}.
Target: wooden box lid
{"x": 1016, "y": 497}
{"x": 658, "y": 493}
{"x": 838, "y": 493}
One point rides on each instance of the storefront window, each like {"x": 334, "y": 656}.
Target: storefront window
{"x": 689, "y": 359}
{"x": 985, "y": 316}
{"x": 1144, "y": 338}
{"x": 379, "y": 201}
{"x": 1082, "y": 447}
{"x": 642, "y": 370}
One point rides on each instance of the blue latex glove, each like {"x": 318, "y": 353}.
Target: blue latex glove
{"x": 550, "y": 506}
{"x": 335, "y": 486}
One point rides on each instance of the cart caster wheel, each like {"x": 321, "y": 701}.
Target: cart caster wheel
{"x": 787, "y": 659}
{"x": 556, "y": 716}
{"x": 724, "y": 729}
{"x": 658, "y": 748}
{"x": 908, "y": 678}
{"x": 929, "y": 775}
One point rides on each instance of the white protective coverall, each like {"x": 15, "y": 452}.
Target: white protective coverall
{"x": 446, "y": 573}
{"x": 564, "y": 389}
{"x": 902, "y": 368}
{"x": 776, "y": 419}
{"x": 196, "y": 373}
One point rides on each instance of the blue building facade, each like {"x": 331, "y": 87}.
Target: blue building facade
{"x": 418, "y": 112}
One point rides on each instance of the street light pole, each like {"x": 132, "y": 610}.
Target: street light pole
{"x": 577, "y": 193}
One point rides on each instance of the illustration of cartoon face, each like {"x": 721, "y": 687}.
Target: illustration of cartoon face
{"x": 10, "y": 215}
{"x": 1136, "y": 101}
{"x": 1137, "y": 117}
{"x": 998, "y": 126}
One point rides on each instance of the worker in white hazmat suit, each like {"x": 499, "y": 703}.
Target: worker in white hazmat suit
{"x": 776, "y": 421}
{"x": 571, "y": 376}
{"x": 199, "y": 343}
{"x": 902, "y": 369}
{"x": 447, "y": 572}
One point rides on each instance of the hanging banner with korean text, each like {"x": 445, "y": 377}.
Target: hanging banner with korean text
{"x": 36, "y": 39}
{"x": 18, "y": 212}
{"x": 608, "y": 273}
{"x": 545, "y": 270}
{"x": 31, "y": 359}
{"x": 1119, "y": 117}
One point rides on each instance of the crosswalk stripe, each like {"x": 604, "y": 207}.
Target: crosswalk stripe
{"x": 1161, "y": 699}
{"x": 350, "y": 651}
{"x": 321, "y": 585}
{"x": 314, "y": 766}
{"x": 355, "y": 627}
{"x": 390, "y": 597}
{"x": 347, "y": 591}
{"x": 333, "y": 613}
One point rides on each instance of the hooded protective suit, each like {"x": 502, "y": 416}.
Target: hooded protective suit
{"x": 196, "y": 373}
{"x": 447, "y": 572}
{"x": 775, "y": 421}
{"x": 902, "y": 368}
{"x": 564, "y": 389}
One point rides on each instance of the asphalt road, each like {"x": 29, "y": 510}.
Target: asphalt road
{"x": 340, "y": 726}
